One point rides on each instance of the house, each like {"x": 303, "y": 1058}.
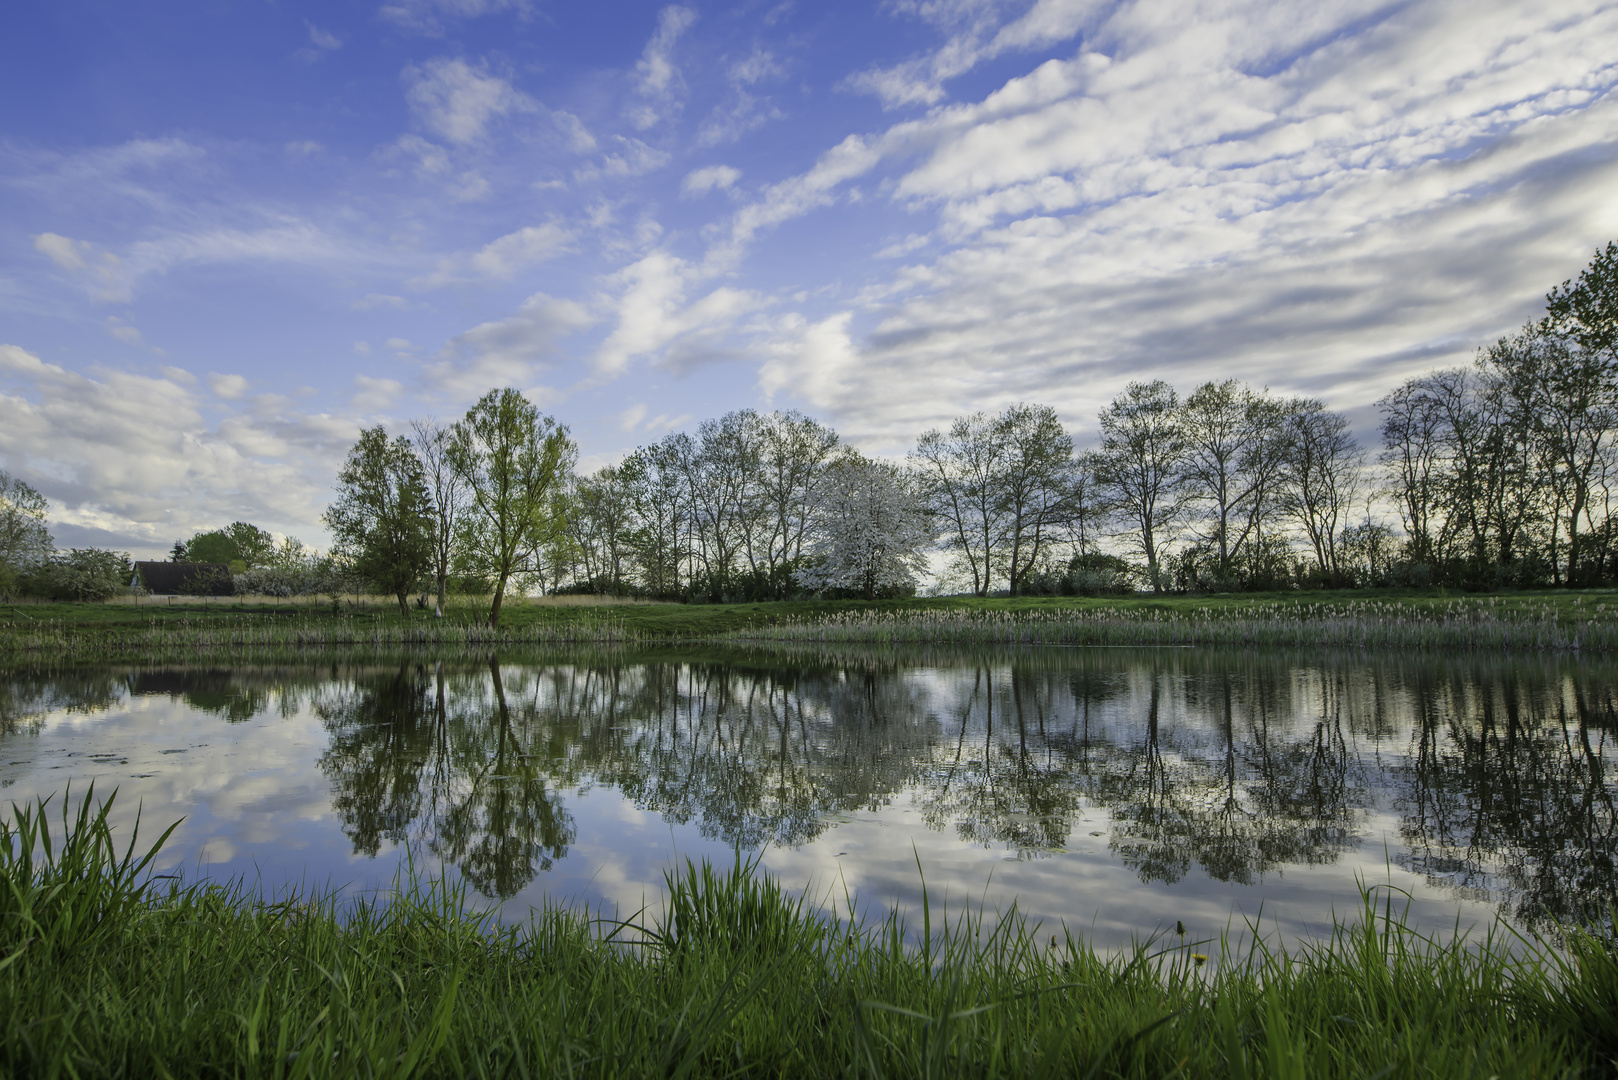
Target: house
{"x": 183, "y": 578}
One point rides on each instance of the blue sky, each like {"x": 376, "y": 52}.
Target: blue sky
{"x": 235, "y": 233}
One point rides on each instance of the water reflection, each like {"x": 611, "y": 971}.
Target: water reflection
{"x": 1488, "y": 778}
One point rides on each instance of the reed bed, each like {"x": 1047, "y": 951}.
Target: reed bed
{"x": 1482, "y": 625}
{"x": 226, "y": 635}
{"x": 106, "y": 970}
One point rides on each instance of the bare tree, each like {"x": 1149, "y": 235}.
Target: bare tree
{"x": 1137, "y": 466}
{"x": 1234, "y": 462}
{"x": 446, "y": 492}
{"x": 1323, "y": 468}
{"x": 1038, "y": 487}
{"x": 962, "y": 471}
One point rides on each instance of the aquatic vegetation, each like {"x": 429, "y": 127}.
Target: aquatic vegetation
{"x": 107, "y": 970}
{"x": 1482, "y": 624}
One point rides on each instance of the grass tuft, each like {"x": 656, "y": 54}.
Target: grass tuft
{"x": 108, "y": 971}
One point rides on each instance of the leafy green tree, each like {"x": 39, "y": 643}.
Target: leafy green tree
{"x": 448, "y": 494}
{"x": 254, "y": 546}
{"x": 24, "y": 540}
{"x": 513, "y": 462}
{"x": 215, "y": 546}
{"x": 1586, "y": 311}
{"x": 382, "y": 520}
{"x": 84, "y": 574}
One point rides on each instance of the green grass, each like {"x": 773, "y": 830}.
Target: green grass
{"x": 106, "y": 972}
{"x": 1530, "y": 621}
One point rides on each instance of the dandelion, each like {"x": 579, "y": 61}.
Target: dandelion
{"x": 1199, "y": 958}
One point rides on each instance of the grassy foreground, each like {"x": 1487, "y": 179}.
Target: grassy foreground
{"x": 1532, "y": 622}
{"x": 105, "y": 973}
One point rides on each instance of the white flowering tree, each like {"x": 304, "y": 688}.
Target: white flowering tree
{"x": 871, "y": 529}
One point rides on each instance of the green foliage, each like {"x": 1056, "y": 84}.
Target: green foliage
{"x": 103, "y": 972}
{"x": 83, "y": 574}
{"x": 211, "y": 547}
{"x": 513, "y": 462}
{"x": 24, "y": 541}
{"x": 382, "y": 520}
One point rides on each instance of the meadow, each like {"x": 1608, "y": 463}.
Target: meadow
{"x": 107, "y": 971}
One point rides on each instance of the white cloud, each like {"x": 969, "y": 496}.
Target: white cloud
{"x": 322, "y": 39}
{"x": 1324, "y": 201}
{"x": 631, "y": 417}
{"x": 458, "y": 101}
{"x": 632, "y": 158}
{"x": 372, "y": 301}
{"x": 303, "y": 148}
{"x": 500, "y": 259}
{"x": 711, "y": 178}
{"x": 654, "y": 318}
{"x": 510, "y": 351}
{"x": 230, "y": 387}
{"x": 658, "y": 84}
{"x": 123, "y": 331}
{"x": 429, "y": 16}
{"x": 101, "y": 270}
{"x": 152, "y": 481}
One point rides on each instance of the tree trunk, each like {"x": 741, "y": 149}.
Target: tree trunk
{"x": 499, "y": 595}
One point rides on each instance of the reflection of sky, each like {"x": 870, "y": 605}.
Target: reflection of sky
{"x": 256, "y": 806}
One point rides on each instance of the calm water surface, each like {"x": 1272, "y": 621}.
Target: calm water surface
{"x": 1115, "y": 790}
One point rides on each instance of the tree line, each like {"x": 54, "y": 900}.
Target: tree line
{"x": 1498, "y": 474}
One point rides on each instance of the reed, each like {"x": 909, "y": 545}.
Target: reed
{"x": 1453, "y": 625}
{"x": 106, "y": 970}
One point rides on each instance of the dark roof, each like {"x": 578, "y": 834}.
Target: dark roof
{"x": 185, "y": 578}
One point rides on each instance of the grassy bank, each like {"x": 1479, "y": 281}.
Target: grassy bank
{"x": 104, "y": 973}
{"x": 1548, "y": 621}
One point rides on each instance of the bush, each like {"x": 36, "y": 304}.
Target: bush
{"x": 83, "y": 574}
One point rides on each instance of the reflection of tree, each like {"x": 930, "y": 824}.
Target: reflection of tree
{"x": 26, "y": 698}
{"x": 506, "y": 823}
{"x": 1506, "y": 794}
{"x": 397, "y": 757}
{"x": 220, "y": 691}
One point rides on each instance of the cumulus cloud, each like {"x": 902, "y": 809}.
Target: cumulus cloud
{"x": 629, "y": 157}
{"x": 711, "y": 178}
{"x": 231, "y": 387}
{"x": 500, "y": 259}
{"x": 655, "y": 319}
{"x": 745, "y": 109}
{"x": 658, "y": 82}
{"x": 458, "y": 101}
{"x": 151, "y": 481}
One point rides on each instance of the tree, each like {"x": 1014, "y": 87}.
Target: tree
{"x": 254, "y": 546}
{"x": 512, "y": 461}
{"x": 654, "y": 481}
{"x": 962, "y": 471}
{"x": 382, "y": 520}
{"x": 871, "y": 526}
{"x": 1137, "y": 467}
{"x": 1586, "y": 311}
{"x": 447, "y": 494}
{"x": 24, "y": 540}
{"x": 793, "y": 455}
{"x": 214, "y": 546}
{"x": 1323, "y": 466}
{"x": 1232, "y": 467}
{"x": 1040, "y": 487}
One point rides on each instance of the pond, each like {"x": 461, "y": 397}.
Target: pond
{"x": 1115, "y": 790}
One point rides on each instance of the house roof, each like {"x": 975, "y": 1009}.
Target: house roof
{"x": 185, "y": 578}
